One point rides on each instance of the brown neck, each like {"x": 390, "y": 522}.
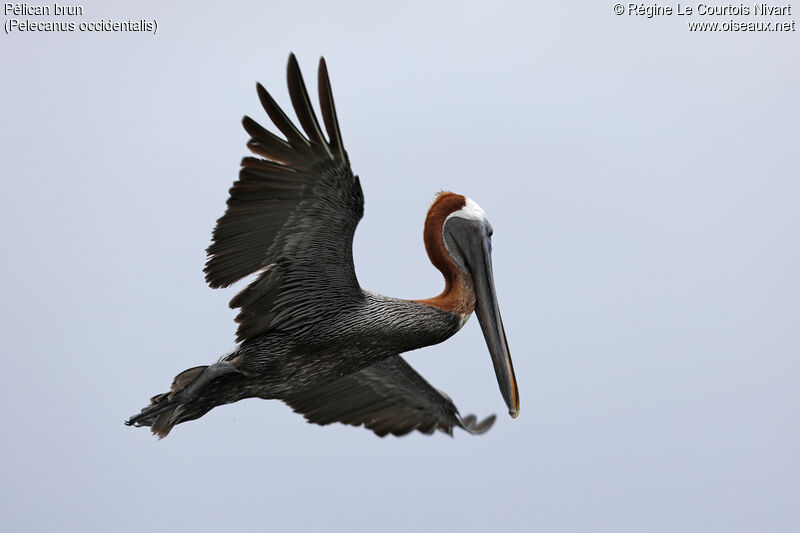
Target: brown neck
{"x": 458, "y": 296}
{"x": 459, "y": 293}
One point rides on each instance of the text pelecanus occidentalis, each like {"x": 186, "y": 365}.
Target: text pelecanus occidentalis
{"x": 308, "y": 333}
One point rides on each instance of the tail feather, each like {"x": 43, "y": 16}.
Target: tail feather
{"x": 193, "y": 393}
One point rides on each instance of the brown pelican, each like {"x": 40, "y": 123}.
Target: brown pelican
{"x": 308, "y": 333}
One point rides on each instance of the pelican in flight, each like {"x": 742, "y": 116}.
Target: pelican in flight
{"x": 308, "y": 334}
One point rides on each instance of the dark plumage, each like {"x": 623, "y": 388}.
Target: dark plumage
{"x": 309, "y": 334}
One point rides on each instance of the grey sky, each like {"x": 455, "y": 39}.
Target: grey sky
{"x": 643, "y": 184}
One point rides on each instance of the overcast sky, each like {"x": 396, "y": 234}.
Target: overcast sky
{"x": 643, "y": 184}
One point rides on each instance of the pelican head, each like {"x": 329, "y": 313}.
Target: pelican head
{"x": 458, "y": 238}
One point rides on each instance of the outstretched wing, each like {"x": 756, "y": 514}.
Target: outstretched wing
{"x": 292, "y": 213}
{"x": 387, "y": 397}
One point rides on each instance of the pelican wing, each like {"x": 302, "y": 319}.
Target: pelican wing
{"x": 291, "y": 215}
{"x": 387, "y": 397}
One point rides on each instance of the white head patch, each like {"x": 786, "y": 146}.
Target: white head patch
{"x": 471, "y": 211}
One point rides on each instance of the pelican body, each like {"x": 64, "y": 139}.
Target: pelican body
{"x": 308, "y": 333}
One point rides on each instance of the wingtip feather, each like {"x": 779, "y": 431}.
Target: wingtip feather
{"x": 329, "y": 110}
{"x": 302, "y": 106}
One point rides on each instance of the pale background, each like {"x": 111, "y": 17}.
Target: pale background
{"x": 644, "y": 189}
